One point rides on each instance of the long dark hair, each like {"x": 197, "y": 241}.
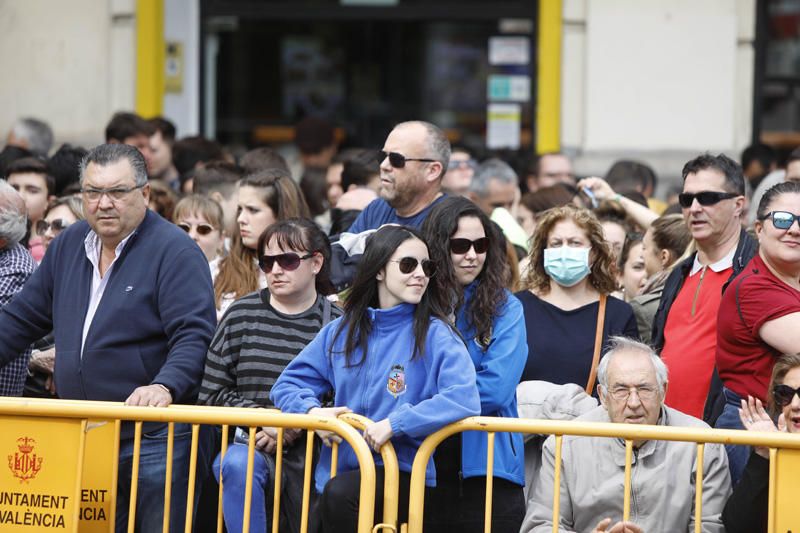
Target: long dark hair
{"x": 302, "y": 234}
{"x": 440, "y": 225}
{"x": 380, "y": 247}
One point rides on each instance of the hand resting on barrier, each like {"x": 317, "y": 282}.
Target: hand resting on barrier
{"x": 267, "y": 438}
{"x": 619, "y": 527}
{"x": 328, "y": 437}
{"x": 378, "y": 433}
{"x": 150, "y": 396}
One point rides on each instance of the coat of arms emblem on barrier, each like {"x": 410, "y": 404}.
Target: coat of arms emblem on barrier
{"x": 25, "y": 464}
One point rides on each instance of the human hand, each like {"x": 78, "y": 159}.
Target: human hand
{"x": 43, "y": 361}
{"x": 619, "y": 527}
{"x": 328, "y": 437}
{"x": 755, "y": 418}
{"x": 290, "y": 435}
{"x": 267, "y": 439}
{"x": 150, "y": 396}
{"x": 378, "y": 433}
{"x": 600, "y": 187}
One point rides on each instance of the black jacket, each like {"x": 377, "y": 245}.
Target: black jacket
{"x": 745, "y": 250}
{"x": 746, "y": 510}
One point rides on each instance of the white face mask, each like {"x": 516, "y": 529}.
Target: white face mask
{"x": 566, "y": 266}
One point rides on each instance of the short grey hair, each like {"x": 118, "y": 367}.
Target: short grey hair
{"x": 491, "y": 169}
{"x": 624, "y": 344}
{"x": 13, "y": 216}
{"x": 108, "y": 154}
{"x": 438, "y": 145}
{"x": 36, "y": 133}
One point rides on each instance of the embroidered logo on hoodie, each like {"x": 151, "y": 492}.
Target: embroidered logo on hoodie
{"x": 396, "y": 385}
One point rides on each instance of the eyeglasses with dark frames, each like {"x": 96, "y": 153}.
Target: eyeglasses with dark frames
{"x": 704, "y": 198}
{"x": 782, "y": 219}
{"x": 408, "y": 265}
{"x": 57, "y": 225}
{"x": 399, "y": 160}
{"x": 462, "y": 246}
{"x": 784, "y": 394}
{"x": 288, "y": 261}
{"x": 202, "y": 229}
{"x": 115, "y": 194}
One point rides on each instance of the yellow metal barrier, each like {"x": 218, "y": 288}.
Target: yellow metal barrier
{"x": 83, "y": 411}
{"x": 783, "y": 479}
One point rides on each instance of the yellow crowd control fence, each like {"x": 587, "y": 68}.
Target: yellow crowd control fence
{"x": 784, "y": 462}
{"x": 63, "y": 461}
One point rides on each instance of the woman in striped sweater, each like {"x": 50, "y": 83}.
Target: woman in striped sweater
{"x": 258, "y": 336}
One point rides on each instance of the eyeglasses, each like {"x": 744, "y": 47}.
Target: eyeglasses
{"x": 784, "y": 395}
{"x": 462, "y": 246}
{"x": 782, "y": 219}
{"x": 288, "y": 261}
{"x": 202, "y": 229}
{"x": 56, "y": 225}
{"x": 462, "y": 163}
{"x": 705, "y": 198}
{"x": 115, "y": 194}
{"x": 399, "y": 160}
{"x": 409, "y": 264}
{"x": 622, "y": 394}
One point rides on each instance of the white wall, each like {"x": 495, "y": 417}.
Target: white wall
{"x": 182, "y": 24}
{"x": 69, "y": 63}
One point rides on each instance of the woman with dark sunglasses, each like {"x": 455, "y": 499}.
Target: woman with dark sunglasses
{"x": 393, "y": 358}
{"x": 470, "y": 251}
{"x": 202, "y": 218}
{"x": 759, "y": 315}
{"x": 258, "y": 336}
{"x": 746, "y": 510}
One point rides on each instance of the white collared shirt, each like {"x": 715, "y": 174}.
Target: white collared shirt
{"x": 93, "y": 248}
{"x": 723, "y": 264}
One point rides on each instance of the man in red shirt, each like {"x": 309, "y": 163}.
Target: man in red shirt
{"x": 685, "y": 325}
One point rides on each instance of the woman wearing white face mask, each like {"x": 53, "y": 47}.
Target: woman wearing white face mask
{"x": 568, "y": 313}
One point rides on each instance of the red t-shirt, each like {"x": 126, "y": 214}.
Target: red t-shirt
{"x": 744, "y": 361}
{"x": 690, "y": 340}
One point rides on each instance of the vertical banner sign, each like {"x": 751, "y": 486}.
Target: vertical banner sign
{"x": 96, "y": 484}
{"x": 39, "y": 474}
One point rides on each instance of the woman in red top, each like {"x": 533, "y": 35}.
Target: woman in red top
{"x": 759, "y": 316}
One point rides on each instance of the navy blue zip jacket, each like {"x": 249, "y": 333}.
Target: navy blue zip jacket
{"x": 153, "y": 325}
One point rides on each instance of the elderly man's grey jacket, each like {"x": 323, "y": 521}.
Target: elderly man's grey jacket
{"x": 662, "y": 482}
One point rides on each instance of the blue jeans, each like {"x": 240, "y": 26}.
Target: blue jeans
{"x": 234, "y": 476}
{"x": 152, "y": 475}
{"x": 729, "y": 419}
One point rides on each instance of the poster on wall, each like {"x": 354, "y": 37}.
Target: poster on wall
{"x": 503, "y": 126}
{"x": 509, "y": 50}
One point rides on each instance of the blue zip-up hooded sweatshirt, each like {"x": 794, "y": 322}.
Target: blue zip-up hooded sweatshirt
{"x": 418, "y": 396}
{"x": 499, "y": 367}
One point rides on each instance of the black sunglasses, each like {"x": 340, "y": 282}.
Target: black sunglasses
{"x": 704, "y": 197}
{"x": 782, "y": 219}
{"x": 202, "y": 229}
{"x": 784, "y": 395}
{"x": 399, "y": 160}
{"x": 289, "y": 261}
{"x": 462, "y": 246}
{"x": 56, "y": 225}
{"x": 409, "y": 264}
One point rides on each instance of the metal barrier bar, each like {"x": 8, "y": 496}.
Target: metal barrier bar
{"x": 223, "y": 451}
{"x": 192, "y": 478}
{"x": 76, "y": 513}
{"x": 137, "y": 443}
{"x": 626, "y": 502}
{"x": 487, "y": 520}
{"x": 114, "y": 476}
{"x": 276, "y": 500}
{"x": 168, "y": 477}
{"x": 248, "y": 485}
{"x": 557, "y": 484}
{"x": 698, "y": 489}
{"x": 773, "y": 481}
{"x": 307, "y": 481}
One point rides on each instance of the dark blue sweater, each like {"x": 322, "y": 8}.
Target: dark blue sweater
{"x": 153, "y": 325}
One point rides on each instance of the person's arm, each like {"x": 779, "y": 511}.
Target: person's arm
{"x": 782, "y": 333}
{"x": 539, "y": 514}
{"x": 716, "y": 489}
{"x": 457, "y": 395}
{"x": 219, "y": 377}
{"x": 640, "y": 214}
{"x": 501, "y": 366}
{"x": 307, "y": 377}
{"x": 186, "y": 308}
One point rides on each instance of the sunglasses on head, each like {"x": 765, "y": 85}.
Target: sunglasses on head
{"x": 704, "y": 197}
{"x": 784, "y": 395}
{"x": 409, "y": 264}
{"x": 202, "y": 229}
{"x": 462, "y": 246}
{"x": 399, "y": 160}
{"x": 288, "y": 261}
{"x": 56, "y": 225}
{"x": 782, "y": 219}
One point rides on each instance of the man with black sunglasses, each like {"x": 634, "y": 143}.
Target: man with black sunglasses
{"x": 685, "y": 325}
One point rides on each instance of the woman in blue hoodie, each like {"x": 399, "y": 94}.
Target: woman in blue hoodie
{"x": 393, "y": 358}
{"x": 469, "y": 250}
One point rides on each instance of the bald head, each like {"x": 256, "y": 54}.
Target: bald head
{"x": 13, "y": 216}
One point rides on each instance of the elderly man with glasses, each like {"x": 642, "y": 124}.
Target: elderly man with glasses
{"x": 632, "y": 383}
{"x": 129, "y": 296}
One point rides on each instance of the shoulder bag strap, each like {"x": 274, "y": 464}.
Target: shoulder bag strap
{"x": 598, "y": 343}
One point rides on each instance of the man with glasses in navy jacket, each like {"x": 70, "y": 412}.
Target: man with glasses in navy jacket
{"x": 130, "y": 300}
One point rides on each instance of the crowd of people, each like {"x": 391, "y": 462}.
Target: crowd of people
{"x": 416, "y": 285}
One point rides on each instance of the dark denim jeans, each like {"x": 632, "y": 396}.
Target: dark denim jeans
{"x": 729, "y": 419}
